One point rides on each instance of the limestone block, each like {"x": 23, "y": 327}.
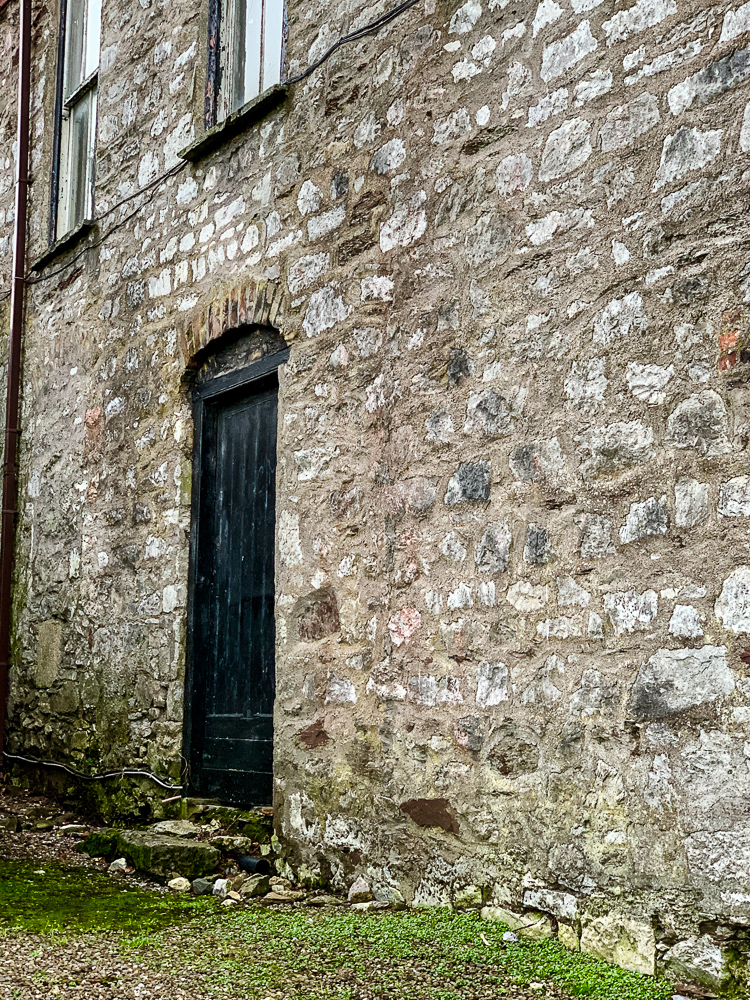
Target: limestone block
{"x": 49, "y": 653}
{"x": 621, "y": 940}
{"x": 468, "y": 898}
{"x": 561, "y": 904}
{"x": 533, "y": 926}
{"x": 674, "y": 680}
{"x": 568, "y": 937}
{"x": 698, "y": 960}
{"x": 161, "y": 854}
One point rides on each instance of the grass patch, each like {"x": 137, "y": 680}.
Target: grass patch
{"x": 52, "y": 897}
{"x": 422, "y": 955}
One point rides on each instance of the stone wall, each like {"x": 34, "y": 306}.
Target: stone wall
{"x": 507, "y": 245}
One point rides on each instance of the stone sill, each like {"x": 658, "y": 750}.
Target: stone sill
{"x": 236, "y": 123}
{"x": 64, "y": 243}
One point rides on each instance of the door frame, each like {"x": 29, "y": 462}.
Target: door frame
{"x": 209, "y": 391}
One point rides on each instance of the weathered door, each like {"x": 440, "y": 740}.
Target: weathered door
{"x": 233, "y": 633}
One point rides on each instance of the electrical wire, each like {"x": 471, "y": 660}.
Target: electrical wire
{"x": 123, "y": 773}
{"x": 368, "y": 29}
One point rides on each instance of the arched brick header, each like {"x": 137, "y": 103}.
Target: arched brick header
{"x": 253, "y": 303}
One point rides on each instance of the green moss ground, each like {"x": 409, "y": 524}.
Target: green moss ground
{"x": 304, "y": 954}
{"x": 43, "y": 897}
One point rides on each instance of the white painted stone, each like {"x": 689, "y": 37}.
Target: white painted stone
{"x": 514, "y": 173}
{"x": 560, "y": 628}
{"x": 687, "y": 150}
{"x": 328, "y": 222}
{"x": 629, "y": 611}
{"x": 736, "y": 23}
{"x": 290, "y": 548}
{"x": 745, "y": 139}
{"x": 569, "y": 593}
{"x": 324, "y": 310}
{"x": 551, "y": 104}
{"x": 647, "y": 382}
{"x": 340, "y": 691}
{"x": 546, "y": 13}
{"x": 700, "y": 422}
{"x": 734, "y": 497}
{"x": 407, "y": 224}
{"x": 620, "y": 318}
{"x": 449, "y": 128}
{"x": 624, "y": 124}
{"x": 621, "y": 940}
{"x": 645, "y": 520}
{"x": 431, "y": 691}
{"x": 379, "y": 286}
{"x": 599, "y": 83}
{"x": 307, "y": 271}
{"x": 586, "y": 384}
{"x": 453, "y": 548}
{"x": 685, "y": 622}
{"x": 461, "y": 597}
{"x": 561, "y": 56}
{"x": 526, "y": 597}
{"x": 674, "y": 680}
{"x": 389, "y": 157}
{"x": 465, "y": 18}
{"x": 644, "y": 14}
{"x": 733, "y": 606}
{"x": 309, "y": 198}
{"x": 493, "y": 681}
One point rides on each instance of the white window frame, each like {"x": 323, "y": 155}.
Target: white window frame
{"x": 80, "y": 80}
{"x": 251, "y": 51}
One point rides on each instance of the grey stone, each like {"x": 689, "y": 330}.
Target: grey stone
{"x": 645, "y": 520}
{"x": 629, "y": 611}
{"x": 734, "y": 497}
{"x": 202, "y": 887}
{"x": 176, "y": 827}
{"x": 538, "y": 549}
{"x": 493, "y": 551}
{"x": 700, "y": 422}
{"x": 567, "y": 149}
{"x": 596, "y": 540}
{"x": 608, "y": 450}
{"x": 160, "y": 854}
{"x": 470, "y": 482}
{"x": 537, "y": 461}
{"x": 710, "y": 82}
{"x": 691, "y": 502}
{"x": 488, "y": 413}
{"x": 674, "y": 680}
{"x": 562, "y": 905}
{"x": 733, "y": 605}
{"x": 255, "y": 885}
{"x": 359, "y": 891}
{"x": 697, "y": 960}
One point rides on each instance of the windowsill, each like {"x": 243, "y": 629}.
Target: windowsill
{"x": 64, "y": 243}
{"x": 235, "y": 123}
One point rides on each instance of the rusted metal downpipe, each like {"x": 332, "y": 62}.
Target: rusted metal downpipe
{"x": 10, "y": 466}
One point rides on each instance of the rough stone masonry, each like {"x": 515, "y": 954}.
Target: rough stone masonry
{"x": 507, "y": 243}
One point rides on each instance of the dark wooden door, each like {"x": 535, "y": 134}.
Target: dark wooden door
{"x": 233, "y": 596}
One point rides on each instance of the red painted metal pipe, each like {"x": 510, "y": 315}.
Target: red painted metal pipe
{"x": 10, "y": 465}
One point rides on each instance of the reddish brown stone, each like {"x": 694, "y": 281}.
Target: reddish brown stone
{"x": 432, "y": 812}
{"x": 314, "y": 736}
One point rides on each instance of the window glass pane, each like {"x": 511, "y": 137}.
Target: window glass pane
{"x": 273, "y": 30}
{"x": 93, "y": 36}
{"x": 75, "y": 31}
{"x": 253, "y": 28}
{"x": 236, "y": 55}
{"x": 78, "y": 162}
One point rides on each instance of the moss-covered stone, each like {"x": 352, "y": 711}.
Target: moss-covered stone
{"x": 161, "y": 855}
